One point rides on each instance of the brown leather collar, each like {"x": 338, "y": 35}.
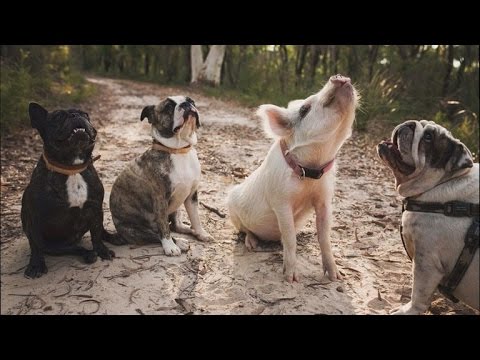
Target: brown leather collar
{"x": 158, "y": 146}
{"x": 302, "y": 171}
{"x": 67, "y": 169}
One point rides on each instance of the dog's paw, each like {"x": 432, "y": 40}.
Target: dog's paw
{"x": 406, "y": 309}
{"x": 90, "y": 256}
{"x": 250, "y": 242}
{"x": 204, "y": 236}
{"x": 114, "y": 239}
{"x": 290, "y": 274}
{"x": 35, "y": 269}
{"x": 104, "y": 252}
{"x": 183, "y": 244}
{"x": 170, "y": 248}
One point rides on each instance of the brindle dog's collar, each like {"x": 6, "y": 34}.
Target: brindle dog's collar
{"x": 67, "y": 169}
{"x": 158, "y": 146}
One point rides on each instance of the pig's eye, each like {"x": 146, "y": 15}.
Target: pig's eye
{"x": 329, "y": 101}
{"x": 304, "y": 110}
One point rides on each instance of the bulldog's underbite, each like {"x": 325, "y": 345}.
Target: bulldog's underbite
{"x": 434, "y": 168}
{"x": 148, "y": 193}
{"x": 297, "y": 176}
{"x": 65, "y": 195}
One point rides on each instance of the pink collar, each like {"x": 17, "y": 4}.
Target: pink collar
{"x": 302, "y": 171}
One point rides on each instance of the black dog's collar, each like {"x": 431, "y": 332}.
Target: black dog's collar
{"x": 472, "y": 239}
{"x": 67, "y": 169}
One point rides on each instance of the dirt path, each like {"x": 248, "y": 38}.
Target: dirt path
{"x": 220, "y": 277}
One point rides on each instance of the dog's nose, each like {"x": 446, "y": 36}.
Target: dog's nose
{"x": 339, "y": 80}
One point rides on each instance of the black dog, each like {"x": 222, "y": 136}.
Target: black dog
{"x": 64, "y": 198}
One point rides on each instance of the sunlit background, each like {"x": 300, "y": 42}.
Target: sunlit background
{"x": 397, "y": 82}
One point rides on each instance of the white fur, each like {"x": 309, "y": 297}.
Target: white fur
{"x": 184, "y": 178}
{"x": 273, "y": 203}
{"x": 78, "y": 161}
{"x": 77, "y": 190}
{"x": 170, "y": 248}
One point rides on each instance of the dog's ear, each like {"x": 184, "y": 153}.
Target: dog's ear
{"x": 38, "y": 117}
{"x": 198, "y": 120}
{"x": 149, "y": 113}
{"x": 461, "y": 158}
{"x": 276, "y": 120}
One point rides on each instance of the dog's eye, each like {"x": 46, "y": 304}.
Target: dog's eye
{"x": 304, "y": 110}
{"x": 428, "y": 137}
{"x": 169, "y": 107}
{"x": 190, "y": 101}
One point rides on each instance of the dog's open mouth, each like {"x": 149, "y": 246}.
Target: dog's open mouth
{"x": 80, "y": 134}
{"x": 389, "y": 152}
{"x": 188, "y": 115}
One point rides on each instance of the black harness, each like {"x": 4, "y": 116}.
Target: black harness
{"x": 453, "y": 209}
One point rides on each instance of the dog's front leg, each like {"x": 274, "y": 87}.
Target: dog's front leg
{"x": 97, "y": 234}
{"x": 426, "y": 277}
{"x": 191, "y": 205}
{"x": 286, "y": 225}
{"x": 36, "y": 267}
{"x": 323, "y": 213}
{"x": 163, "y": 228}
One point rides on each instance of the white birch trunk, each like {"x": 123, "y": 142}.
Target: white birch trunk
{"x": 196, "y": 57}
{"x": 211, "y": 69}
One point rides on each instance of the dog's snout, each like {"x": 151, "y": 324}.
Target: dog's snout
{"x": 188, "y": 107}
{"x": 339, "y": 80}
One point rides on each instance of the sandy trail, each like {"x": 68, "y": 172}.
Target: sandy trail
{"x": 219, "y": 277}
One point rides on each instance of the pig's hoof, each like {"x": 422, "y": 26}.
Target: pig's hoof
{"x": 251, "y": 241}
{"x": 291, "y": 275}
{"x": 205, "y": 237}
{"x": 330, "y": 268}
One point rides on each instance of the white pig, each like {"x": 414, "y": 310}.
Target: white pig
{"x": 274, "y": 202}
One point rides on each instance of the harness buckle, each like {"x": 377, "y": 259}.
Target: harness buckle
{"x": 457, "y": 209}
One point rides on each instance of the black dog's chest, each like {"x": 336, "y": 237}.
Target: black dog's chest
{"x": 66, "y": 212}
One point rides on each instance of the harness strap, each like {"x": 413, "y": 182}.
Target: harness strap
{"x": 451, "y": 208}
{"x": 472, "y": 241}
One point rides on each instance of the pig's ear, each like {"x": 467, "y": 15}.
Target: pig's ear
{"x": 276, "y": 121}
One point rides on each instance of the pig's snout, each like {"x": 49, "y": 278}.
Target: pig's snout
{"x": 339, "y": 80}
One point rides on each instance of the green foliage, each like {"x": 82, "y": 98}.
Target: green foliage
{"x": 396, "y": 82}
{"x": 37, "y": 73}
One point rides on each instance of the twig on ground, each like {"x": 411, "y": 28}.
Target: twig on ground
{"x": 94, "y": 301}
{"x": 132, "y": 294}
{"x": 212, "y": 209}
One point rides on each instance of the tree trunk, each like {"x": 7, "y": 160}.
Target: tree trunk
{"x": 446, "y": 80}
{"x": 284, "y": 67}
{"x": 212, "y": 67}
{"x": 464, "y": 62}
{"x": 314, "y": 59}
{"x": 300, "y": 63}
{"x": 147, "y": 64}
{"x": 196, "y": 59}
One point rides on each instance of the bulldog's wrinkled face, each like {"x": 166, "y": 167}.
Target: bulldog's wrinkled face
{"x": 68, "y": 136}
{"x": 175, "y": 117}
{"x": 423, "y": 151}
{"x": 316, "y": 118}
